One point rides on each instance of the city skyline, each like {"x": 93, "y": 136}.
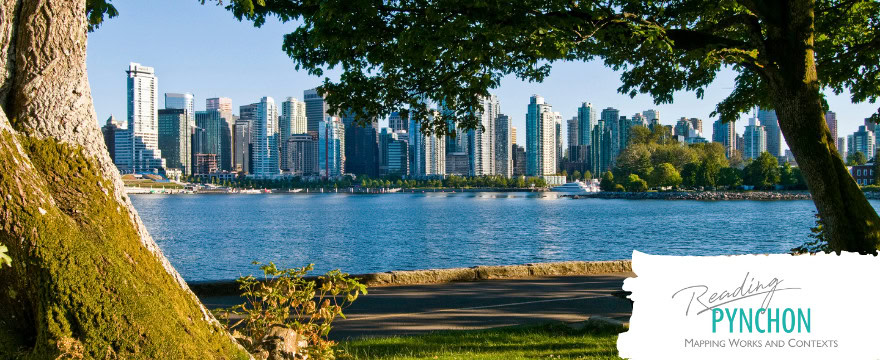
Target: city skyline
{"x": 256, "y": 55}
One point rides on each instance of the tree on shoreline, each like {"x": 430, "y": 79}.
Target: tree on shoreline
{"x": 87, "y": 280}
{"x": 396, "y": 54}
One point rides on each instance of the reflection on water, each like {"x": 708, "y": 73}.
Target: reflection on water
{"x": 209, "y": 237}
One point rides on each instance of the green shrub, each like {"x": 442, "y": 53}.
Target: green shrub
{"x": 819, "y": 242}
{"x": 286, "y": 298}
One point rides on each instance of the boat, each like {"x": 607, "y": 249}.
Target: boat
{"x": 578, "y": 187}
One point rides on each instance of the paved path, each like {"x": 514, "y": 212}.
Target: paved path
{"x": 404, "y": 310}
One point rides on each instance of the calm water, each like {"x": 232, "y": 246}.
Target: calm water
{"x": 211, "y": 237}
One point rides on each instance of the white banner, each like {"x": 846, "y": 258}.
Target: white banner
{"x": 753, "y": 307}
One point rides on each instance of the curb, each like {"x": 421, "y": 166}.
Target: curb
{"x": 439, "y": 276}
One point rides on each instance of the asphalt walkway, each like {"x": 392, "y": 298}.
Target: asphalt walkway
{"x": 407, "y": 310}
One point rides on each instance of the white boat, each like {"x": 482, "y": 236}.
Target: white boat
{"x": 578, "y": 187}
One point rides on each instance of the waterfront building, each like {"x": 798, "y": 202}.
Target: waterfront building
{"x": 206, "y": 164}
{"x": 587, "y": 120}
{"x": 217, "y": 138}
{"x": 863, "y": 174}
{"x": 639, "y": 120}
{"x": 572, "y": 131}
{"x": 248, "y": 112}
{"x": 611, "y": 117}
{"x": 682, "y": 127}
{"x": 754, "y": 139}
{"x": 697, "y": 124}
{"x": 109, "y": 131}
{"x": 560, "y": 145}
{"x": 175, "y": 137}
{"x": 316, "y": 109}
{"x": 223, "y": 104}
{"x": 831, "y": 121}
{"x": 513, "y": 134}
{"x": 394, "y": 153}
{"x": 519, "y": 160}
{"x": 396, "y": 122}
{"x": 302, "y": 155}
{"x": 770, "y": 123}
{"x": 264, "y": 142}
{"x": 184, "y": 101}
{"x": 503, "y": 158}
{"x": 457, "y": 164}
{"x": 725, "y": 134}
{"x": 540, "y": 138}
{"x": 242, "y": 146}
{"x": 427, "y": 153}
{"x": 841, "y": 147}
{"x": 600, "y": 149}
{"x": 292, "y": 121}
{"x": 137, "y": 148}
{"x": 331, "y": 147}
{"x": 652, "y": 117}
{"x": 862, "y": 140}
{"x": 481, "y": 147}
{"x": 361, "y": 146}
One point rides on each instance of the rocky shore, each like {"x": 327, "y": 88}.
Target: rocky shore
{"x": 701, "y": 195}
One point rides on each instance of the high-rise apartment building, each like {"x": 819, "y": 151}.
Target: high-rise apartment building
{"x": 652, "y": 117}
{"x": 216, "y": 139}
{"x": 396, "y": 122}
{"x": 611, "y": 117}
{"x": 302, "y": 155}
{"x": 587, "y": 120}
{"x": 503, "y": 156}
{"x": 109, "y": 131}
{"x": 137, "y": 148}
{"x": 184, "y": 101}
{"x": 572, "y": 131}
{"x": 481, "y": 141}
{"x": 770, "y": 123}
{"x": 540, "y": 138}
{"x": 831, "y": 121}
{"x": 264, "y": 141}
{"x": 393, "y": 152}
{"x": 697, "y": 124}
{"x": 754, "y": 139}
{"x": 519, "y": 160}
{"x": 242, "y": 146}
{"x": 863, "y": 141}
{"x": 175, "y": 136}
{"x": 331, "y": 147}
{"x": 248, "y": 112}
{"x": 219, "y": 103}
{"x": 841, "y": 147}
{"x": 725, "y": 134}
{"x": 427, "y": 153}
{"x": 292, "y": 121}
{"x": 513, "y": 135}
{"x": 361, "y": 146}
{"x": 600, "y": 149}
{"x": 316, "y": 109}
{"x": 560, "y": 142}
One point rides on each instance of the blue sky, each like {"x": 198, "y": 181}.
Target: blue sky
{"x": 202, "y": 49}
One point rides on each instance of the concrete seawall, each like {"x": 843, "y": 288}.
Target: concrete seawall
{"x": 436, "y": 276}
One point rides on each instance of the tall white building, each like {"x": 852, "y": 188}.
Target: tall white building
{"x": 264, "y": 140}
{"x": 427, "y": 153}
{"x": 652, "y": 116}
{"x": 184, "y": 101}
{"x": 540, "y": 138}
{"x": 481, "y": 141}
{"x": 503, "y": 142}
{"x": 137, "y": 149}
{"x": 770, "y": 123}
{"x": 292, "y": 121}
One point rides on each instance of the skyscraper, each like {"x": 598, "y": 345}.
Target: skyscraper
{"x": 481, "y": 140}
{"x": 109, "y": 131}
{"x": 611, "y": 117}
{"x": 175, "y": 135}
{"x": 725, "y": 134}
{"x": 560, "y": 143}
{"x": 216, "y": 138}
{"x": 519, "y": 160}
{"x": 292, "y": 121}
{"x": 137, "y": 149}
{"x": 397, "y": 123}
{"x": 316, "y": 109}
{"x": 683, "y": 127}
{"x": 600, "y": 149}
{"x": 183, "y": 101}
{"x": 572, "y": 131}
{"x": 540, "y": 138}
{"x": 652, "y": 117}
{"x": 361, "y": 146}
{"x": 513, "y": 134}
{"x": 265, "y": 144}
{"x": 331, "y": 147}
{"x": 863, "y": 141}
{"x": 697, "y": 124}
{"x": 427, "y": 153}
{"x": 831, "y": 121}
{"x": 841, "y": 147}
{"x": 774, "y": 135}
{"x": 587, "y": 120}
{"x": 248, "y": 112}
{"x": 754, "y": 139}
{"x": 503, "y": 157}
{"x": 302, "y": 156}
{"x": 242, "y": 146}
{"x": 219, "y": 103}
{"x": 393, "y": 153}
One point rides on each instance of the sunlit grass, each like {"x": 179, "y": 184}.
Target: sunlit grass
{"x": 551, "y": 341}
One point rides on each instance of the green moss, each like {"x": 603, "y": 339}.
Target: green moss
{"x": 89, "y": 285}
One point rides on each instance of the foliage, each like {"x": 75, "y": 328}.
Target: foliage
{"x": 286, "y": 298}
{"x": 635, "y": 184}
{"x": 730, "y": 177}
{"x": 547, "y": 341}
{"x": 619, "y": 188}
{"x": 4, "y": 259}
{"x": 689, "y": 174}
{"x": 95, "y": 11}
{"x": 588, "y": 175}
{"x": 665, "y": 175}
{"x": 792, "y": 177}
{"x": 607, "y": 182}
{"x": 819, "y": 243}
{"x": 763, "y": 172}
{"x": 857, "y": 158}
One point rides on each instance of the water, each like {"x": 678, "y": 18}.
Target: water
{"x": 216, "y": 237}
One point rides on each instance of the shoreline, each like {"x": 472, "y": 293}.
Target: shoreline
{"x": 701, "y": 195}
{"x": 440, "y": 276}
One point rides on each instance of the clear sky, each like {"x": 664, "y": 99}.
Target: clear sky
{"x": 202, "y": 49}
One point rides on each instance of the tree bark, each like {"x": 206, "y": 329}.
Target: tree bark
{"x": 851, "y": 222}
{"x": 87, "y": 279}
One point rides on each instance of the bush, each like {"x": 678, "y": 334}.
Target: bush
{"x": 285, "y": 299}
{"x": 607, "y": 182}
{"x": 636, "y": 184}
{"x": 619, "y": 188}
{"x": 819, "y": 242}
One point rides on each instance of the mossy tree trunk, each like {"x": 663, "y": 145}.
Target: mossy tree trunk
{"x": 87, "y": 279}
{"x": 851, "y": 222}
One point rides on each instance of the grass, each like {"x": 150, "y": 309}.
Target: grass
{"x": 548, "y": 341}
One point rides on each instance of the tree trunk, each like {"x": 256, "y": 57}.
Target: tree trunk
{"x": 850, "y": 221}
{"x": 87, "y": 279}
